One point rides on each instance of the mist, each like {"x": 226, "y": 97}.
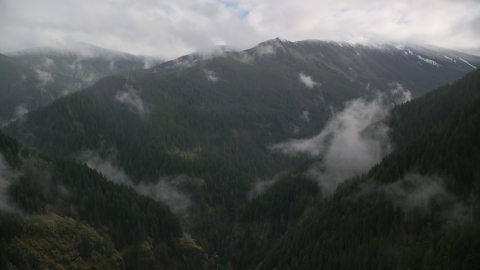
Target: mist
{"x": 165, "y": 190}
{"x": 305, "y": 116}
{"x": 211, "y": 75}
{"x": 352, "y": 141}
{"x": 44, "y": 77}
{"x": 307, "y": 80}
{"x": 261, "y": 185}
{"x": 418, "y": 192}
{"x": 268, "y": 48}
{"x": 131, "y": 98}
{"x": 19, "y": 112}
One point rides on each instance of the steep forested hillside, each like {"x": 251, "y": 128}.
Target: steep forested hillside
{"x": 417, "y": 209}
{"x": 23, "y": 89}
{"x": 211, "y": 120}
{"x": 81, "y": 64}
{"x": 57, "y": 213}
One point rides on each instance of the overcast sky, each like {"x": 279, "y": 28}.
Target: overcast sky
{"x": 173, "y": 28}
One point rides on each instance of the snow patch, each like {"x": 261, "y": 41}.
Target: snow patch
{"x": 453, "y": 60}
{"x": 428, "y": 61}
{"x": 461, "y": 59}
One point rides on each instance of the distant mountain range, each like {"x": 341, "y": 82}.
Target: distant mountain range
{"x": 38, "y": 76}
{"x": 83, "y": 63}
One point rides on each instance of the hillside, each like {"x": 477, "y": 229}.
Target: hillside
{"x": 24, "y": 89}
{"x": 416, "y": 209}
{"x": 56, "y": 213}
{"x": 80, "y": 65}
{"x": 202, "y": 128}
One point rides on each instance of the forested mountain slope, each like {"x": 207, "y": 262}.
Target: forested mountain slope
{"x": 334, "y": 66}
{"x": 211, "y": 120}
{"x": 417, "y": 68}
{"x": 24, "y": 89}
{"x": 417, "y": 209}
{"x": 81, "y": 64}
{"x": 55, "y": 213}
{"x": 34, "y": 78}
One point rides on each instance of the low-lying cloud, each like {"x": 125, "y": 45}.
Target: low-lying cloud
{"x": 399, "y": 94}
{"x": 307, "y": 80}
{"x": 261, "y": 185}
{"x": 20, "y": 111}
{"x": 48, "y": 63}
{"x": 166, "y": 190}
{"x": 211, "y": 75}
{"x": 44, "y": 77}
{"x": 305, "y": 116}
{"x": 269, "y": 48}
{"x": 131, "y": 97}
{"x": 352, "y": 141}
{"x": 419, "y": 194}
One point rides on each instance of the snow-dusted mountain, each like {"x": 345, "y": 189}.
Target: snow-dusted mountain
{"x": 418, "y": 68}
{"x": 341, "y": 67}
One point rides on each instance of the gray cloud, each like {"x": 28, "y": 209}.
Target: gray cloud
{"x": 211, "y": 75}
{"x": 353, "y": 141}
{"x": 48, "y": 63}
{"x": 398, "y": 93}
{"x": 105, "y": 166}
{"x": 20, "y": 111}
{"x": 261, "y": 185}
{"x": 305, "y": 116}
{"x": 130, "y": 97}
{"x": 270, "y": 48}
{"x": 417, "y": 192}
{"x": 166, "y": 190}
{"x": 44, "y": 77}
{"x": 173, "y": 28}
{"x": 307, "y": 80}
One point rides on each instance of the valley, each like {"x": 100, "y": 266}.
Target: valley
{"x": 288, "y": 155}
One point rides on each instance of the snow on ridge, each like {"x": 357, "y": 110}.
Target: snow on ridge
{"x": 78, "y": 50}
{"x": 46, "y": 51}
{"x": 431, "y": 62}
{"x": 399, "y": 47}
{"x": 467, "y": 62}
{"x": 403, "y": 49}
{"x": 453, "y": 60}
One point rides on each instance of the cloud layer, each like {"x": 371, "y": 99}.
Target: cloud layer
{"x": 131, "y": 98}
{"x": 307, "y": 80}
{"x": 166, "y": 190}
{"x": 352, "y": 141}
{"x": 173, "y": 28}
